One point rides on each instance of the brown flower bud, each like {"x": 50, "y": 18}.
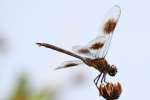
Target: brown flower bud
{"x": 110, "y": 91}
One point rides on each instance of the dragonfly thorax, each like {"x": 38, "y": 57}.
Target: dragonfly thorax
{"x": 101, "y": 65}
{"x": 98, "y": 63}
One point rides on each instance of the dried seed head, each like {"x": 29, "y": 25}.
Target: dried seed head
{"x": 110, "y": 91}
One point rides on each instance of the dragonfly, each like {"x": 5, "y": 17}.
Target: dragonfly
{"x": 94, "y": 53}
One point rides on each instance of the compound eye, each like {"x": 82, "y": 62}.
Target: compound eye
{"x": 113, "y": 70}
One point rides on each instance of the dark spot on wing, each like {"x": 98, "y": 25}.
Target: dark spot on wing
{"x": 97, "y": 45}
{"x": 67, "y": 65}
{"x": 84, "y": 51}
{"x": 70, "y": 64}
{"x": 109, "y": 26}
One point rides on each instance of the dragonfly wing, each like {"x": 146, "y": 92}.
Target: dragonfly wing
{"x": 95, "y": 46}
{"x": 92, "y": 49}
{"x": 82, "y": 50}
{"x": 108, "y": 26}
{"x": 68, "y": 64}
{"x": 98, "y": 47}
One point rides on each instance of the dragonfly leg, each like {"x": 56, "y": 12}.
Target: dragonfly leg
{"x": 103, "y": 78}
{"x": 97, "y": 79}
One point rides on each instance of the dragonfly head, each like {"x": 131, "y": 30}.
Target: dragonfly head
{"x": 112, "y": 70}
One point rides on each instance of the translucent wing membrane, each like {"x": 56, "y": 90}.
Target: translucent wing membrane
{"x": 68, "y": 64}
{"x": 108, "y": 26}
{"x": 83, "y": 50}
{"x": 110, "y": 20}
{"x": 98, "y": 47}
{"x": 92, "y": 48}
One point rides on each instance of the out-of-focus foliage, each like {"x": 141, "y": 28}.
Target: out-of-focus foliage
{"x": 23, "y": 91}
